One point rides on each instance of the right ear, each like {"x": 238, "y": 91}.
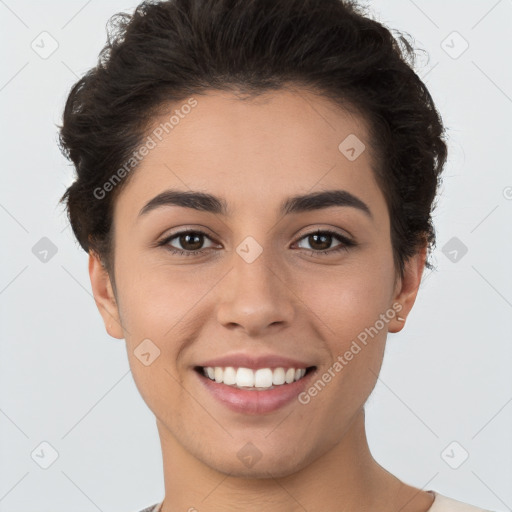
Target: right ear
{"x": 104, "y": 296}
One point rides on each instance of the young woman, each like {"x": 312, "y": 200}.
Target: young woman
{"x": 255, "y": 181}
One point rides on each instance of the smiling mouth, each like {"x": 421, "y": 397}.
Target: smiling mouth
{"x": 261, "y": 379}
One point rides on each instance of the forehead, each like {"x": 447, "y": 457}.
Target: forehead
{"x": 255, "y": 151}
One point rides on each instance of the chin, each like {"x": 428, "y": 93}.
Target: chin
{"x": 259, "y": 471}
{"x": 260, "y": 467}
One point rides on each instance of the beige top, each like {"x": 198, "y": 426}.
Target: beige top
{"x": 441, "y": 504}
{"x": 445, "y": 504}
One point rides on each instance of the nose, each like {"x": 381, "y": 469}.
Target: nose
{"x": 256, "y": 297}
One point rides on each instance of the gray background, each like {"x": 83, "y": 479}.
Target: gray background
{"x": 446, "y": 385}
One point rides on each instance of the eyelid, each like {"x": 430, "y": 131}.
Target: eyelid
{"x": 307, "y": 231}
{"x": 198, "y": 228}
{"x": 314, "y": 229}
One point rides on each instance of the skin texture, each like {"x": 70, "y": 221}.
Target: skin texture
{"x": 254, "y": 154}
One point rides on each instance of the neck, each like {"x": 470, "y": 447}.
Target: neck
{"x": 346, "y": 478}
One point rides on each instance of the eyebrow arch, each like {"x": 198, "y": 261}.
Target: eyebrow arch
{"x": 296, "y": 204}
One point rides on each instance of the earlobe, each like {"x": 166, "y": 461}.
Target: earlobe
{"x": 104, "y": 296}
{"x": 407, "y": 288}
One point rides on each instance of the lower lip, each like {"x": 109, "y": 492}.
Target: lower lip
{"x": 255, "y": 402}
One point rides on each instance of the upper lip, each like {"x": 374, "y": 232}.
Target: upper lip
{"x": 255, "y": 362}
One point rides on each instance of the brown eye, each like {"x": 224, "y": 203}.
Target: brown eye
{"x": 189, "y": 242}
{"x": 321, "y": 241}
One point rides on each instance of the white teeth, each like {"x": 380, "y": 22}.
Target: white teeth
{"x": 290, "y": 375}
{"x": 229, "y": 376}
{"x": 245, "y": 377}
{"x": 278, "y": 376}
{"x": 263, "y": 378}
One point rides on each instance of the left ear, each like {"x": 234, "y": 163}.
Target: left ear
{"x": 407, "y": 288}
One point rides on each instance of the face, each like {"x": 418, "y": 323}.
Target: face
{"x": 254, "y": 279}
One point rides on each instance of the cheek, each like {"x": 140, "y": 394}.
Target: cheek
{"x": 156, "y": 308}
{"x": 158, "y": 301}
{"x": 349, "y": 307}
{"x": 350, "y": 299}
{"x": 152, "y": 299}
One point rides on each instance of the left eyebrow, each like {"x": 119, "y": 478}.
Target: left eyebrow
{"x": 325, "y": 199}
{"x": 296, "y": 204}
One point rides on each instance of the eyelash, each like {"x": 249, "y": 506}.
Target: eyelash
{"x": 345, "y": 245}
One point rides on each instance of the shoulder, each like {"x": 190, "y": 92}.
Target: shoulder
{"x": 446, "y": 504}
